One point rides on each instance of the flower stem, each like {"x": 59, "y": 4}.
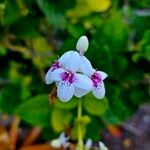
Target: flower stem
{"x": 80, "y": 135}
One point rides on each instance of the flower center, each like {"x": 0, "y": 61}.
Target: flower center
{"x": 55, "y": 65}
{"x": 96, "y": 78}
{"x": 68, "y": 76}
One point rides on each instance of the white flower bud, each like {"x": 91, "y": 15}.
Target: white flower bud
{"x": 88, "y": 144}
{"x": 82, "y": 44}
{"x": 56, "y": 143}
{"x": 102, "y": 146}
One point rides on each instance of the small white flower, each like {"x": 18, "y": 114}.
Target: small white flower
{"x": 61, "y": 141}
{"x": 82, "y": 44}
{"x": 102, "y": 146}
{"x": 55, "y": 143}
{"x": 88, "y": 144}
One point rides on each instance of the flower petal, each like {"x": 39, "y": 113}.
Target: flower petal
{"x": 70, "y": 60}
{"x": 103, "y": 75}
{"x": 56, "y": 74}
{"x": 83, "y": 82}
{"x": 65, "y": 57}
{"x": 85, "y": 66}
{"x": 88, "y": 144}
{"x": 65, "y": 91}
{"x": 73, "y": 62}
{"x": 48, "y": 77}
{"x": 79, "y": 92}
{"x": 99, "y": 91}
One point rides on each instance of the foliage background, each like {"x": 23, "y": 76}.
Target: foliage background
{"x": 33, "y": 33}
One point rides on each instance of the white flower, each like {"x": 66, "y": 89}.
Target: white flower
{"x": 102, "y": 146}
{"x": 61, "y": 141}
{"x": 88, "y": 144}
{"x": 82, "y": 44}
{"x": 55, "y": 143}
{"x": 69, "y": 83}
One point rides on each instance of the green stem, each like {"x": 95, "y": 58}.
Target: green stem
{"x": 80, "y": 137}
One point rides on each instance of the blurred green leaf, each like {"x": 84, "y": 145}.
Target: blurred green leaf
{"x": 143, "y": 48}
{"x": 60, "y": 119}
{"x": 54, "y": 17}
{"x": 35, "y": 111}
{"x": 96, "y": 126}
{"x": 95, "y": 106}
{"x": 11, "y": 12}
{"x": 26, "y": 27}
{"x": 66, "y": 106}
{"x": 10, "y": 97}
{"x": 110, "y": 119}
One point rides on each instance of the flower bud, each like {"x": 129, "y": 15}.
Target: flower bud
{"x": 102, "y": 146}
{"x": 56, "y": 143}
{"x": 82, "y": 44}
{"x": 88, "y": 144}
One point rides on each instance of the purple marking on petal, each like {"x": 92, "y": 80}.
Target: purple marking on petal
{"x": 55, "y": 65}
{"x": 68, "y": 77}
{"x": 96, "y": 79}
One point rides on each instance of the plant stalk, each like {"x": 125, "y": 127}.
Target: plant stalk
{"x": 80, "y": 134}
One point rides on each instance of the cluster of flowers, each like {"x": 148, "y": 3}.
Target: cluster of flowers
{"x": 74, "y": 74}
{"x": 63, "y": 141}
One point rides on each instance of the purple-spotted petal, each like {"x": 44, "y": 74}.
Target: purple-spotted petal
{"x": 83, "y": 82}
{"x": 79, "y": 92}
{"x": 48, "y": 77}
{"x": 103, "y": 75}
{"x": 86, "y": 67}
{"x": 99, "y": 91}
{"x": 65, "y": 91}
{"x": 56, "y": 74}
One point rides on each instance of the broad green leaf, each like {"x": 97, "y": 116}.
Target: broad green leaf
{"x": 35, "y": 111}
{"x": 69, "y": 105}
{"x": 60, "y": 119}
{"x": 95, "y": 106}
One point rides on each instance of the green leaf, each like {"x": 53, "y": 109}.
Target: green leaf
{"x": 96, "y": 126}
{"x": 9, "y": 98}
{"x": 60, "y": 119}
{"x": 95, "y": 106}
{"x": 69, "y": 105}
{"x": 35, "y": 111}
{"x": 26, "y": 27}
{"x": 143, "y": 48}
{"x": 54, "y": 17}
{"x": 11, "y": 12}
{"x": 109, "y": 118}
